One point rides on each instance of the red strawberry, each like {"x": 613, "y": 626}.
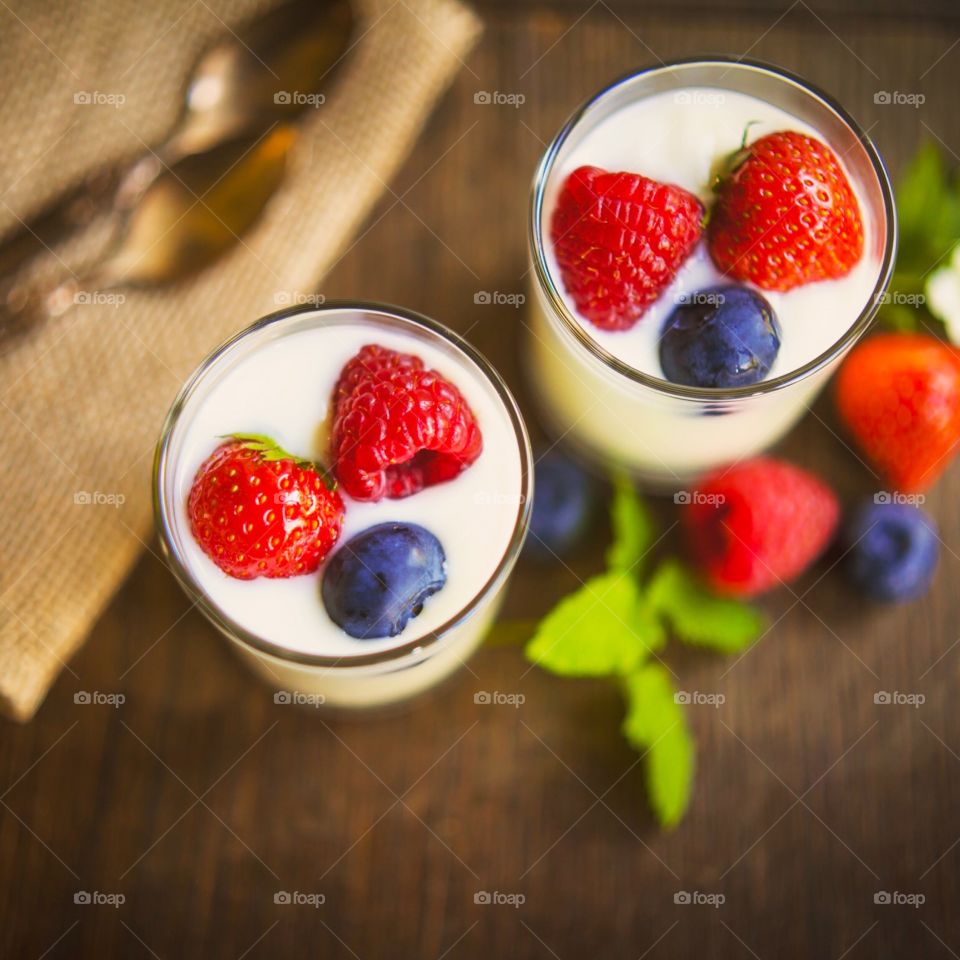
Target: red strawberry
{"x": 398, "y": 427}
{"x": 785, "y": 214}
{"x": 759, "y": 524}
{"x": 258, "y": 512}
{"x": 899, "y": 396}
{"x": 619, "y": 240}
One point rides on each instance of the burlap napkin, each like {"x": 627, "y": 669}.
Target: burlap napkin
{"x": 82, "y": 401}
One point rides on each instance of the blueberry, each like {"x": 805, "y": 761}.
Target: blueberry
{"x": 380, "y": 578}
{"x": 892, "y": 550}
{"x": 564, "y": 495}
{"x": 725, "y": 336}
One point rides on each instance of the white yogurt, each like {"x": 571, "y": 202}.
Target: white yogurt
{"x": 282, "y": 387}
{"x": 678, "y": 137}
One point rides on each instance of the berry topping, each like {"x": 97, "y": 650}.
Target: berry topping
{"x": 381, "y": 578}
{"x": 564, "y": 497}
{"x": 785, "y": 214}
{"x": 398, "y": 427}
{"x": 257, "y": 511}
{"x": 899, "y": 396}
{"x": 892, "y": 550}
{"x": 758, "y": 524}
{"x": 619, "y": 240}
{"x": 720, "y": 337}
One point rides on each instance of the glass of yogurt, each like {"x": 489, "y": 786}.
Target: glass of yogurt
{"x": 605, "y": 391}
{"x": 277, "y": 378}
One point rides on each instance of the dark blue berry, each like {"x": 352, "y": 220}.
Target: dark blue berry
{"x": 563, "y": 498}
{"x": 381, "y": 578}
{"x": 725, "y": 336}
{"x": 892, "y": 550}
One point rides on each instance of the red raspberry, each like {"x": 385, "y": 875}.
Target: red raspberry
{"x": 619, "y": 240}
{"x": 398, "y": 427}
{"x": 759, "y": 524}
{"x": 256, "y": 511}
{"x": 785, "y": 214}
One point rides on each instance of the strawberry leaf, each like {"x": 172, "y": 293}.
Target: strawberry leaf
{"x": 271, "y": 451}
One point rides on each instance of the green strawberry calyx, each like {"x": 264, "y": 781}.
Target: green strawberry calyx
{"x": 269, "y": 450}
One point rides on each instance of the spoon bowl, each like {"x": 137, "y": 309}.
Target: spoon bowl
{"x": 273, "y": 68}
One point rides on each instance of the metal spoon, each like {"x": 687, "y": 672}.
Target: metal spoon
{"x": 270, "y": 69}
{"x": 191, "y": 214}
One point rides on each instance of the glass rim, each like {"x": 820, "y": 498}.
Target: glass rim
{"x": 221, "y": 619}
{"x": 574, "y": 327}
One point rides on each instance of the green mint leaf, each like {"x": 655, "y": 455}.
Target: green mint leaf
{"x": 928, "y": 210}
{"x": 595, "y": 631}
{"x": 655, "y": 726}
{"x": 649, "y": 625}
{"x": 699, "y": 617}
{"x": 669, "y": 766}
{"x": 632, "y": 525}
{"x": 919, "y": 193}
{"x": 900, "y": 317}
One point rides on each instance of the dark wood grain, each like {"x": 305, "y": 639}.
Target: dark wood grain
{"x": 199, "y": 798}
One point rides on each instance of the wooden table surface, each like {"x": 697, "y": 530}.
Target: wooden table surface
{"x": 199, "y": 799}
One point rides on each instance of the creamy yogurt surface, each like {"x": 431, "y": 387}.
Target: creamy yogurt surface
{"x": 677, "y": 137}
{"x": 283, "y": 388}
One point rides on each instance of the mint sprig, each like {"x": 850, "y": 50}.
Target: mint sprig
{"x": 928, "y": 214}
{"x": 616, "y": 624}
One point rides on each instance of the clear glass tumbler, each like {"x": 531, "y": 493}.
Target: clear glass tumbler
{"x": 360, "y": 679}
{"x": 665, "y": 433}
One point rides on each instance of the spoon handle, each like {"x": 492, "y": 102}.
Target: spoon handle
{"x": 164, "y": 223}
{"x": 71, "y": 210}
{"x": 45, "y": 301}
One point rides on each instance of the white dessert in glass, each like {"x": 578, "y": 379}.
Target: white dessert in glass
{"x": 605, "y": 390}
{"x": 276, "y": 378}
